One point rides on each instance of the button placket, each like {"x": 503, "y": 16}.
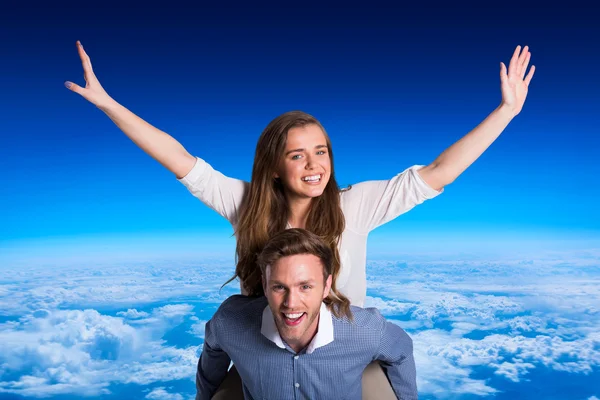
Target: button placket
{"x": 296, "y": 383}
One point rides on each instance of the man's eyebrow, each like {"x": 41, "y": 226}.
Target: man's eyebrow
{"x": 275, "y": 282}
{"x": 304, "y": 282}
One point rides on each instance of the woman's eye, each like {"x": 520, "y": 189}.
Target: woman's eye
{"x": 321, "y": 152}
{"x": 296, "y": 157}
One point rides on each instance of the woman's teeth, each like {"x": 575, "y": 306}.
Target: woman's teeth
{"x": 312, "y": 178}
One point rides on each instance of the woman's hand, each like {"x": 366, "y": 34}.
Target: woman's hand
{"x": 93, "y": 90}
{"x": 514, "y": 84}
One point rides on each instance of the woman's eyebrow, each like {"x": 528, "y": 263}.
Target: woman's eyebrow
{"x": 293, "y": 151}
{"x": 320, "y": 146}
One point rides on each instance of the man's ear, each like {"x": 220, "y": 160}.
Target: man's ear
{"x": 327, "y": 286}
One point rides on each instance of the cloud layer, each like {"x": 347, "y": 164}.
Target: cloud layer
{"x": 83, "y": 352}
{"x": 83, "y": 330}
{"x": 507, "y": 317}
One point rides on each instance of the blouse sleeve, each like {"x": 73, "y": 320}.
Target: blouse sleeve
{"x": 219, "y": 192}
{"x": 370, "y": 204}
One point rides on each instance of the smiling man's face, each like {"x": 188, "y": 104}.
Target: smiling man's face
{"x": 295, "y": 288}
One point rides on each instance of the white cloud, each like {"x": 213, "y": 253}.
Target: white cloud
{"x": 32, "y": 288}
{"x": 132, "y": 314}
{"x": 512, "y": 370}
{"x": 173, "y": 310}
{"x": 511, "y": 357}
{"x": 39, "y": 387}
{"x": 166, "y": 364}
{"x": 440, "y": 376}
{"x": 83, "y": 352}
{"x": 390, "y": 306}
{"x": 161, "y": 394}
{"x": 429, "y": 302}
{"x": 527, "y": 324}
{"x": 520, "y": 315}
{"x": 197, "y": 329}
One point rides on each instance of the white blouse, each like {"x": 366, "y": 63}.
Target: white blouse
{"x": 365, "y": 205}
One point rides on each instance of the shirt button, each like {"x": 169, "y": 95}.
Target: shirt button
{"x": 295, "y": 357}
{"x": 297, "y": 385}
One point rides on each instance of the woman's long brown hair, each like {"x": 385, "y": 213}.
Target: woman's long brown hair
{"x": 265, "y": 212}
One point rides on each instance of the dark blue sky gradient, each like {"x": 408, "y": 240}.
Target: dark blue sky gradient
{"x": 393, "y": 86}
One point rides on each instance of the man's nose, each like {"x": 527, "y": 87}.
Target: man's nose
{"x": 291, "y": 299}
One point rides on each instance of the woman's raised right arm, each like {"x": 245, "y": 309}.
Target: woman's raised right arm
{"x": 158, "y": 144}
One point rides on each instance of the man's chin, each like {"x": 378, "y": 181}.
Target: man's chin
{"x": 291, "y": 336}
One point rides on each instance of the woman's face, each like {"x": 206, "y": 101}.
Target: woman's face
{"x": 305, "y": 167}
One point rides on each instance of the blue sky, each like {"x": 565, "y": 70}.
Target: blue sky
{"x": 393, "y": 86}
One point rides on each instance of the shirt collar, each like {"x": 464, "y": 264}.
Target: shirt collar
{"x": 323, "y": 336}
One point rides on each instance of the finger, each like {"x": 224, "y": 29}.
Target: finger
{"x": 89, "y": 60}
{"x": 525, "y": 64}
{"x": 530, "y": 75}
{"x": 74, "y": 87}
{"x": 82, "y": 56}
{"x": 86, "y": 63}
{"x": 522, "y": 59}
{"x": 503, "y": 76}
{"x": 513, "y": 61}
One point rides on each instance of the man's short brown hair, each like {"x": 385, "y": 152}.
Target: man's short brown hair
{"x": 295, "y": 241}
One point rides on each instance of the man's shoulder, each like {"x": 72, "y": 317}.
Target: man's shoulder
{"x": 372, "y": 320}
{"x": 368, "y": 318}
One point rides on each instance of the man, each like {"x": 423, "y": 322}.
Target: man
{"x": 302, "y": 340}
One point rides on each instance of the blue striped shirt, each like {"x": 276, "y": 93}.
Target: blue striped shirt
{"x": 332, "y": 370}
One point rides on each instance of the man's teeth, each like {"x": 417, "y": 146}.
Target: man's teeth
{"x": 293, "y": 316}
{"x": 312, "y": 178}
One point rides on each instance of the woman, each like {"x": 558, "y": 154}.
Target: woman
{"x": 293, "y": 182}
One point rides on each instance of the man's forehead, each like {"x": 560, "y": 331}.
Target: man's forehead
{"x": 299, "y": 264}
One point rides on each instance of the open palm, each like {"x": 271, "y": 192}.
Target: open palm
{"x": 514, "y": 84}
